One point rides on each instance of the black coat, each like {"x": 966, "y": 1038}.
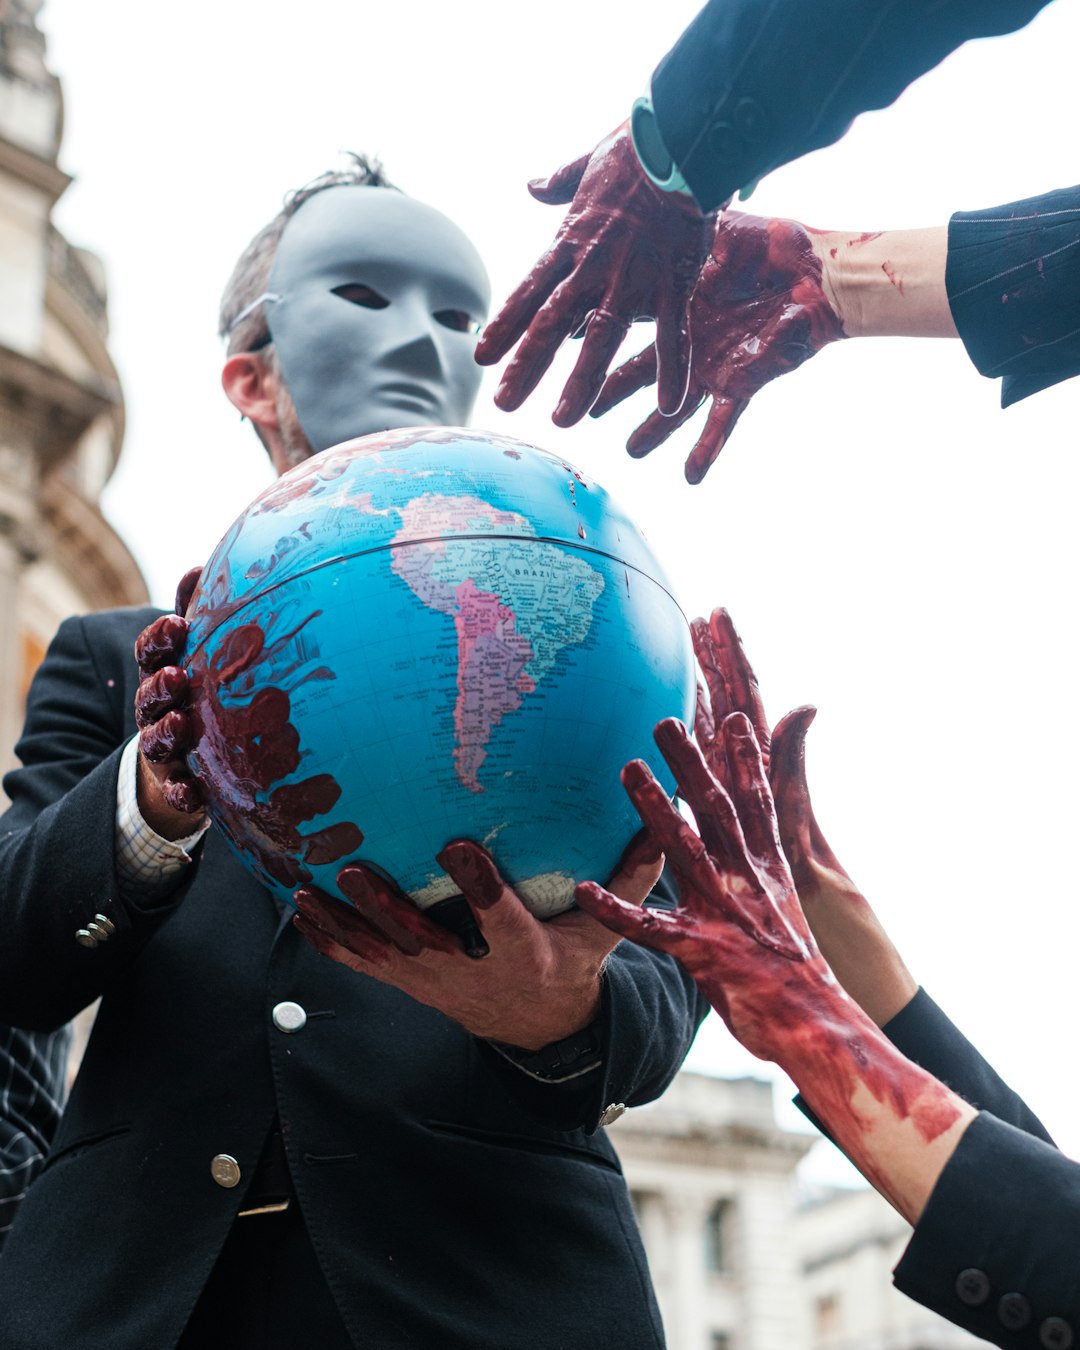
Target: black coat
{"x": 452, "y": 1200}
{"x": 996, "y": 1249}
{"x": 752, "y": 84}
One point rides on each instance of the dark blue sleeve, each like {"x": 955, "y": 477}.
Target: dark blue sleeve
{"x": 752, "y": 84}
{"x": 997, "y": 1249}
{"x": 923, "y": 1033}
{"x": 649, "y": 1015}
{"x": 1013, "y": 280}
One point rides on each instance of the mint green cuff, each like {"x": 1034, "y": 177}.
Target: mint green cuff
{"x": 653, "y": 154}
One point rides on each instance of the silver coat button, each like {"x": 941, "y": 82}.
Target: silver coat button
{"x": 289, "y": 1017}
{"x": 225, "y": 1170}
{"x": 611, "y": 1114}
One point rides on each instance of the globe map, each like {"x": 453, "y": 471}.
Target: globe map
{"x": 425, "y": 635}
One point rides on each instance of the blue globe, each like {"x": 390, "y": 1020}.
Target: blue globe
{"x": 425, "y": 635}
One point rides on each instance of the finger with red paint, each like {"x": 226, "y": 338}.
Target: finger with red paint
{"x": 625, "y": 251}
{"x": 739, "y": 931}
{"x": 379, "y": 925}
{"x": 845, "y": 927}
{"x": 537, "y": 982}
{"x": 730, "y": 686}
{"x": 169, "y": 798}
{"x": 759, "y": 309}
{"x": 738, "y": 927}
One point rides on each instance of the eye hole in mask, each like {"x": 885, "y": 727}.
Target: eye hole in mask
{"x": 358, "y": 294}
{"x": 457, "y": 320}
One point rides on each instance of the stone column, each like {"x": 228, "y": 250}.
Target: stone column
{"x": 770, "y": 1288}
{"x": 687, "y": 1315}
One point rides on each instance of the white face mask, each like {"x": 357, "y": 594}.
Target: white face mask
{"x": 374, "y": 306}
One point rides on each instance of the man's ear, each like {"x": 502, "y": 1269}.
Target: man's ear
{"x": 252, "y": 386}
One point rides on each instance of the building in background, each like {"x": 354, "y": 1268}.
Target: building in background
{"x": 741, "y": 1259}
{"x": 61, "y": 409}
{"x": 849, "y": 1241}
{"x": 713, "y": 1182}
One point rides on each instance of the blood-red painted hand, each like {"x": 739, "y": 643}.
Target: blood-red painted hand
{"x": 844, "y": 926}
{"x": 739, "y": 931}
{"x": 536, "y": 983}
{"x": 759, "y": 310}
{"x": 168, "y": 796}
{"x": 624, "y": 251}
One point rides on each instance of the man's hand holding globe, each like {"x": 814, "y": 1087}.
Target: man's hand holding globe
{"x": 539, "y": 981}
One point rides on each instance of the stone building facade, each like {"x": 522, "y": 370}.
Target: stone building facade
{"x": 713, "y": 1181}
{"x": 742, "y": 1257}
{"x": 61, "y": 408}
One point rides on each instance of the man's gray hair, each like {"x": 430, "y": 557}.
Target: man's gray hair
{"x": 251, "y": 275}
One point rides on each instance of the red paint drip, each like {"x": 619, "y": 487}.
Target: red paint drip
{"x": 246, "y": 744}
{"x": 893, "y": 275}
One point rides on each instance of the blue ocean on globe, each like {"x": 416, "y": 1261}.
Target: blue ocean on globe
{"x": 425, "y": 635}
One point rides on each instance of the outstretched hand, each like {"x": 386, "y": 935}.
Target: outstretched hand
{"x": 536, "y": 982}
{"x": 758, "y": 311}
{"x": 738, "y": 929}
{"x": 845, "y": 927}
{"x": 625, "y": 251}
{"x": 168, "y": 795}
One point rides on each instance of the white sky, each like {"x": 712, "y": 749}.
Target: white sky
{"x": 893, "y": 547}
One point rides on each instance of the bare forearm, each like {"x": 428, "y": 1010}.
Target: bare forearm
{"x": 898, "y": 1124}
{"x": 889, "y": 283}
{"x": 853, "y": 942}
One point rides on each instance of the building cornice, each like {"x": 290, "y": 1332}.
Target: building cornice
{"x": 40, "y": 173}
{"x": 52, "y": 410}
{"x": 86, "y": 547}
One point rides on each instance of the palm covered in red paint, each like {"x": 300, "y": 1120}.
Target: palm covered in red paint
{"x": 625, "y": 251}
{"x": 758, "y": 311}
{"x": 738, "y": 928}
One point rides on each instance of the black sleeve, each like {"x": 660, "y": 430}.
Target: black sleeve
{"x": 923, "y": 1033}
{"x": 752, "y": 84}
{"x": 996, "y": 1249}
{"x": 1013, "y": 280}
{"x": 57, "y": 869}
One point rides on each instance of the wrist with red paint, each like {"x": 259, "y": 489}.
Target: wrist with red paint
{"x": 896, "y": 1123}
{"x": 886, "y": 283}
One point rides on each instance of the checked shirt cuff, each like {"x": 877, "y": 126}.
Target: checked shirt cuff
{"x": 147, "y": 866}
